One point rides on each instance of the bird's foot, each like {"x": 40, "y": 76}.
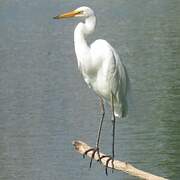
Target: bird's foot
{"x": 94, "y": 151}
{"x": 109, "y": 160}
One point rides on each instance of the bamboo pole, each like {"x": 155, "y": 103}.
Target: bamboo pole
{"x": 82, "y": 147}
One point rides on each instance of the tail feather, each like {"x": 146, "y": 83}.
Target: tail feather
{"x": 121, "y": 110}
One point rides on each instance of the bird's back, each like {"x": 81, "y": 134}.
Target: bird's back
{"x": 111, "y": 77}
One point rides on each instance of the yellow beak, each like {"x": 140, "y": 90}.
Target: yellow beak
{"x": 67, "y": 15}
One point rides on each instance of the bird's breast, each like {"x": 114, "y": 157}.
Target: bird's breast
{"x": 88, "y": 66}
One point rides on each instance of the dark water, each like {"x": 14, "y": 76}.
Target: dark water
{"x": 45, "y": 104}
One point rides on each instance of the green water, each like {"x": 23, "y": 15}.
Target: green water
{"x": 45, "y": 104}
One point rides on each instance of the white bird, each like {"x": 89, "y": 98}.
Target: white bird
{"x": 101, "y": 68}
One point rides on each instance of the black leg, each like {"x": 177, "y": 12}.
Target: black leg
{"x": 96, "y": 149}
{"x": 113, "y": 121}
{"x": 101, "y": 122}
{"x": 111, "y": 158}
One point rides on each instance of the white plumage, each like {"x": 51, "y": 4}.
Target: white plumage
{"x": 102, "y": 70}
{"x": 100, "y": 65}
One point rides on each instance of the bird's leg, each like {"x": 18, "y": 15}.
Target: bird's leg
{"x": 113, "y": 121}
{"x": 96, "y": 149}
{"x": 101, "y": 121}
{"x": 111, "y": 158}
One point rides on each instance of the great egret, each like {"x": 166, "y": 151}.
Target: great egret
{"x": 102, "y": 70}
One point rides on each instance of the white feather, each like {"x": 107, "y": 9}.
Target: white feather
{"x": 100, "y": 65}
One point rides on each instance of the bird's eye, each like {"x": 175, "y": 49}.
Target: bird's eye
{"x": 80, "y": 12}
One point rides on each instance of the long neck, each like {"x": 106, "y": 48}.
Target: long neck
{"x": 80, "y": 34}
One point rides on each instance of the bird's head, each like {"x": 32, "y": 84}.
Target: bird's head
{"x": 79, "y": 12}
